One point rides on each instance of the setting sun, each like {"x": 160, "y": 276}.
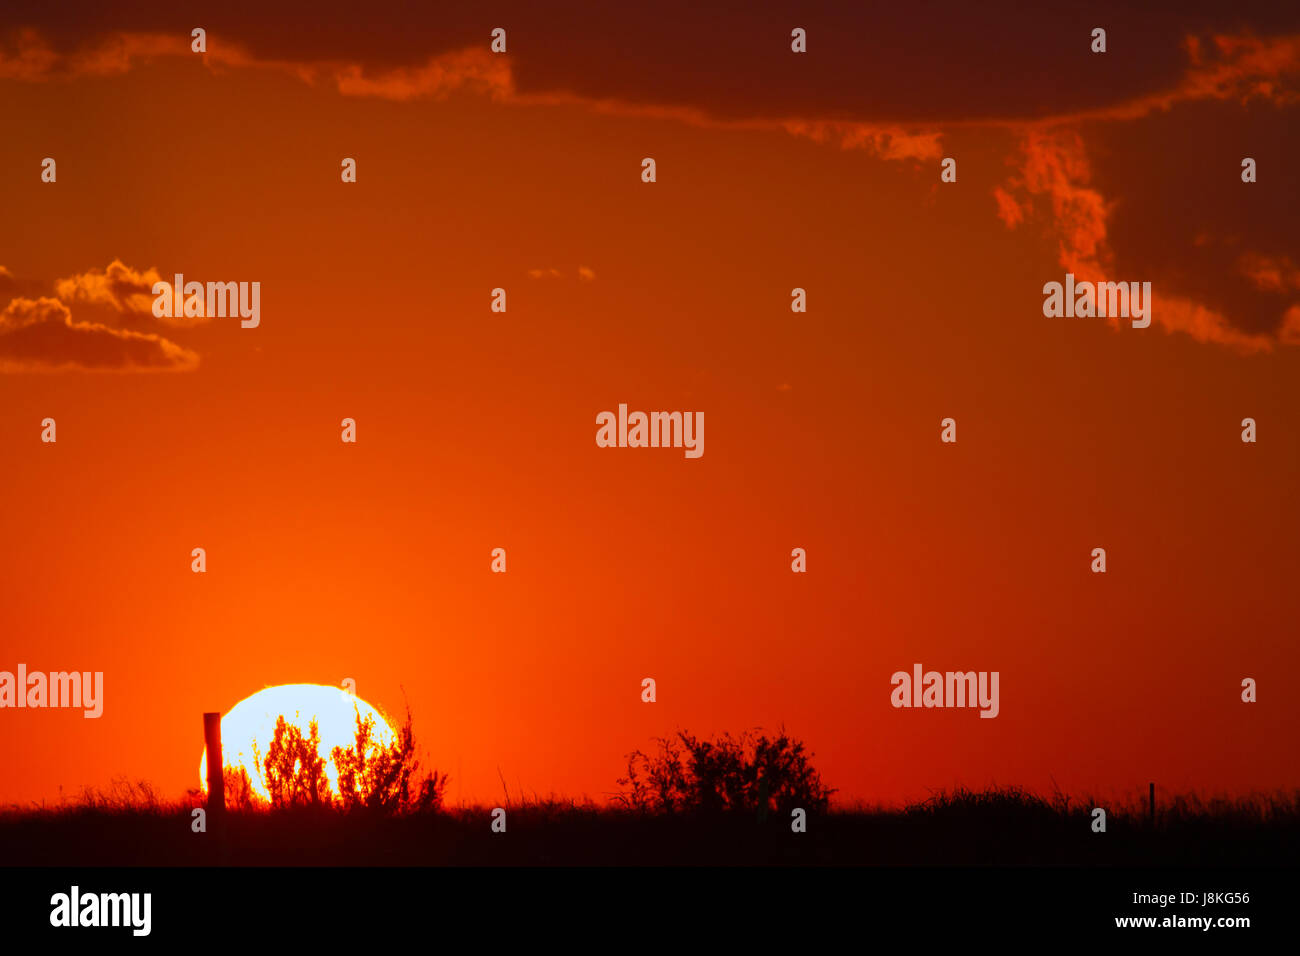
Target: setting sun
{"x": 249, "y": 727}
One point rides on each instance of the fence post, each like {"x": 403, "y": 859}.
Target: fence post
{"x": 216, "y": 775}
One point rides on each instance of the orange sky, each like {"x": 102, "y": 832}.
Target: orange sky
{"x": 476, "y": 429}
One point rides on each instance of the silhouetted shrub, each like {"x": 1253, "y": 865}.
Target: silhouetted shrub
{"x": 382, "y": 778}
{"x": 239, "y": 791}
{"x": 294, "y": 771}
{"x": 752, "y": 773}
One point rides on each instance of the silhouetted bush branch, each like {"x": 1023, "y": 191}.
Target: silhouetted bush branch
{"x": 751, "y": 773}
{"x": 293, "y": 770}
{"x": 382, "y": 778}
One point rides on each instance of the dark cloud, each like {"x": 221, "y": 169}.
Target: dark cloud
{"x": 12, "y": 286}
{"x": 1116, "y": 152}
{"x": 919, "y": 62}
{"x": 1182, "y": 217}
{"x": 40, "y": 335}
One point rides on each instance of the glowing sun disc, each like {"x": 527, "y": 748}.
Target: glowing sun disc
{"x": 251, "y": 723}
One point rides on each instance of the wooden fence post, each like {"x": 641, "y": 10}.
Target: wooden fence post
{"x": 216, "y": 775}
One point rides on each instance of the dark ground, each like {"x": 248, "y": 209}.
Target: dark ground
{"x": 989, "y": 828}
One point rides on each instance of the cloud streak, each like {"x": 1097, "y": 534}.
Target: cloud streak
{"x": 117, "y": 287}
{"x": 39, "y": 335}
{"x": 115, "y": 329}
{"x": 1052, "y": 185}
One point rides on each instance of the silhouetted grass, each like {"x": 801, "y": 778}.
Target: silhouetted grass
{"x": 130, "y": 825}
{"x": 722, "y": 800}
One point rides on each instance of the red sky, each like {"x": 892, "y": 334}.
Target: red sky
{"x": 476, "y": 429}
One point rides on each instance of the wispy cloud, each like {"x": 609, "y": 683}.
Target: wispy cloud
{"x": 115, "y": 329}
{"x": 39, "y": 335}
{"x": 1052, "y": 184}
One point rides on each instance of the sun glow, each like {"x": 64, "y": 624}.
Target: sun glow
{"x": 249, "y": 727}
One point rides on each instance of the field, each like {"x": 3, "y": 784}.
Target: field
{"x": 130, "y": 827}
